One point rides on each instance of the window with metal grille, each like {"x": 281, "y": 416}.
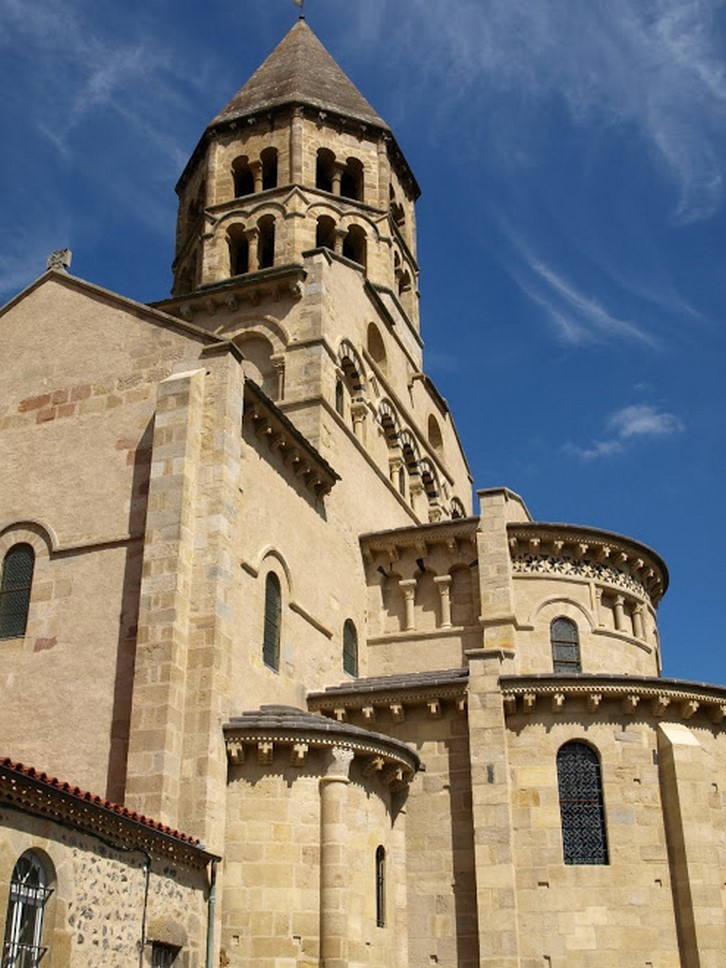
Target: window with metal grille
{"x": 273, "y": 609}
{"x": 565, "y": 644}
{"x": 15, "y": 585}
{"x": 380, "y": 887}
{"x": 582, "y": 811}
{"x": 24, "y": 926}
{"x": 162, "y": 954}
{"x": 350, "y": 648}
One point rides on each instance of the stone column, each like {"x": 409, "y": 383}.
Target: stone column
{"x": 253, "y": 257}
{"x": 638, "y": 624}
{"x": 358, "y": 413}
{"x": 256, "y": 169}
{"x": 338, "y": 169}
{"x": 619, "y": 609}
{"x": 444, "y": 585}
{"x": 340, "y": 235}
{"x": 394, "y": 466}
{"x": 408, "y": 586}
{"x": 278, "y": 361}
{"x": 384, "y": 173}
{"x": 334, "y": 868}
{"x": 296, "y": 147}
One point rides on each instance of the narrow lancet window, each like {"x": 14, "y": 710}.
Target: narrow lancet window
{"x": 350, "y": 648}
{"x": 565, "y": 644}
{"x": 15, "y": 587}
{"x": 273, "y": 613}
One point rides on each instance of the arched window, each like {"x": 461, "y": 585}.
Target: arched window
{"x": 244, "y": 181}
{"x": 15, "y": 585}
{"x": 239, "y": 251}
{"x": 350, "y": 648}
{"x": 267, "y": 241}
{"x": 273, "y": 614}
{"x": 324, "y": 169}
{"x": 339, "y": 398}
{"x": 325, "y": 233}
{"x": 269, "y": 168}
{"x": 355, "y": 245}
{"x": 380, "y": 887}
{"x": 24, "y": 925}
{"x": 565, "y": 646}
{"x": 351, "y": 182}
{"x": 582, "y": 811}
{"x": 376, "y": 347}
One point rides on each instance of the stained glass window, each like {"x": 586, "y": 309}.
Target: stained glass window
{"x": 15, "y": 585}
{"x": 582, "y": 811}
{"x": 350, "y": 649}
{"x": 565, "y": 646}
{"x": 273, "y": 609}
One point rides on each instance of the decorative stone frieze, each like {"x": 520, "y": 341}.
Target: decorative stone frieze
{"x": 589, "y": 555}
{"x": 393, "y": 695}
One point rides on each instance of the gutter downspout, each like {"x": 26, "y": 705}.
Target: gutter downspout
{"x": 209, "y": 963}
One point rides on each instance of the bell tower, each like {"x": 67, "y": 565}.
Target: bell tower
{"x": 297, "y": 160}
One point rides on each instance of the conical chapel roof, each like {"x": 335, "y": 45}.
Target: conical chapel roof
{"x": 300, "y": 71}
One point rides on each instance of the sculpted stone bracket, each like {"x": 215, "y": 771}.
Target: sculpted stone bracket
{"x": 393, "y": 761}
{"x": 639, "y": 696}
{"x": 453, "y": 535}
{"x": 373, "y": 707}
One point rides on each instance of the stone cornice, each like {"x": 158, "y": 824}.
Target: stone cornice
{"x": 635, "y": 695}
{"x": 271, "y": 424}
{"x": 272, "y": 728}
{"x": 419, "y": 537}
{"x": 393, "y": 695}
{"x": 576, "y": 552}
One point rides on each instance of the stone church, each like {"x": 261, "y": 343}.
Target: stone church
{"x": 275, "y": 693}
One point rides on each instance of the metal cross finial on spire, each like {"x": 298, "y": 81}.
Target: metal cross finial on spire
{"x": 301, "y": 4}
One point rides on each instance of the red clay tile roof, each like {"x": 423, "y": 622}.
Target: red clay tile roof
{"x": 10, "y": 767}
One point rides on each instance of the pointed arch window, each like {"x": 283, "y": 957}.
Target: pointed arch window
{"x": 350, "y": 648}
{"x": 565, "y": 643}
{"x": 273, "y": 615}
{"x": 582, "y": 810}
{"x": 29, "y": 892}
{"x": 380, "y": 887}
{"x": 15, "y": 587}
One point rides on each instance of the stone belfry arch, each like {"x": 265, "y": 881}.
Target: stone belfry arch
{"x": 297, "y": 160}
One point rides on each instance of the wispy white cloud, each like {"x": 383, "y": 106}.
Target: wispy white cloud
{"x": 626, "y": 426}
{"x": 656, "y": 67}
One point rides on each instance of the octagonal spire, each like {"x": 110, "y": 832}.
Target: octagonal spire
{"x": 300, "y": 71}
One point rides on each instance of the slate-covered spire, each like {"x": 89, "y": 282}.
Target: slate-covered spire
{"x": 300, "y": 71}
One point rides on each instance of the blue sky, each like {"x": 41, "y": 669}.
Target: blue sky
{"x": 572, "y": 158}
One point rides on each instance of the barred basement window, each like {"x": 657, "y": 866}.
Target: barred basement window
{"x": 565, "y": 646}
{"x": 15, "y": 585}
{"x": 273, "y": 609}
{"x": 24, "y": 927}
{"x": 163, "y": 955}
{"x": 582, "y": 811}
{"x": 380, "y": 887}
{"x": 350, "y": 648}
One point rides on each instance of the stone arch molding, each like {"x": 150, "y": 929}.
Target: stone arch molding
{"x": 271, "y": 554}
{"x": 346, "y": 351}
{"x": 244, "y": 327}
{"x": 560, "y": 605}
{"x": 40, "y": 536}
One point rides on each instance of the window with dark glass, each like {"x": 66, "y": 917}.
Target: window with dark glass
{"x": 582, "y": 810}
{"x": 350, "y": 648}
{"x": 15, "y": 586}
{"x": 565, "y": 646}
{"x": 273, "y": 610}
{"x": 380, "y": 887}
{"x": 163, "y": 955}
{"x": 22, "y": 947}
